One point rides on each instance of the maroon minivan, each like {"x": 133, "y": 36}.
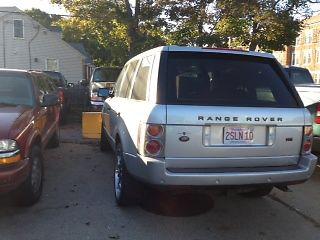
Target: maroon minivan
{"x": 29, "y": 121}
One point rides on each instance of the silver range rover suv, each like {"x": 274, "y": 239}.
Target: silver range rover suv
{"x": 184, "y": 116}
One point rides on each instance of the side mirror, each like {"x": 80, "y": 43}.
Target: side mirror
{"x": 84, "y": 82}
{"x": 70, "y": 85}
{"x": 50, "y": 100}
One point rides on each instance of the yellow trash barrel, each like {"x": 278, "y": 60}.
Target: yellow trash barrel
{"x": 91, "y": 125}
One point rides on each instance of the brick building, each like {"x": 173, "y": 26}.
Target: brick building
{"x": 306, "y": 52}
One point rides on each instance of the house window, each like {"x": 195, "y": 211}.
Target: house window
{"x": 296, "y": 58}
{"x": 52, "y": 64}
{"x": 307, "y": 57}
{"x": 317, "y": 56}
{"x": 309, "y": 36}
{"x": 18, "y": 31}
{"x": 298, "y": 40}
{"x": 293, "y": 59}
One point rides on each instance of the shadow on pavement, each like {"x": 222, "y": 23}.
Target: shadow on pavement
{"x": 177, "y": 205}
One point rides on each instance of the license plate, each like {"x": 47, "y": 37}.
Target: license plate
{"x": 238, "y": 135}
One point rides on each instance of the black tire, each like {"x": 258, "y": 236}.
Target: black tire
{"x": 30, "y": 191}
{"x": 104, "y": 144}
{"x": 127, "y": 190}
{"x": 258, "y": 193}
{"x": 55, "y": 139}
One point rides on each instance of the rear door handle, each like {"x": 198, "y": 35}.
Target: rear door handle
{"x": 118, "y": 114}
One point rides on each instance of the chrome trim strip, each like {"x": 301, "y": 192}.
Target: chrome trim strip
{"x": 130, "y": 155}
{"x": 9, "y": 154}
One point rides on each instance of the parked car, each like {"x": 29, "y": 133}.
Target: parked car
{"x": 29, "y": 113}
{"x": 64, "y": 93}
{"x": 310, "y": 95}
{"x": 184, "y": 116}
{"x": 101, "y": 78}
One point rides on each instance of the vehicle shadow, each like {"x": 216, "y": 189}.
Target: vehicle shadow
{"x": 186, "y": 204}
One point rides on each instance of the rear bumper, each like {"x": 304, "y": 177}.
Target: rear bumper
{"x": 154, "y": 172}
{"x": 96, "y": 106}
{"x": 12, "y": 177}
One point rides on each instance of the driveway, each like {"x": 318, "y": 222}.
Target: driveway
{"x": 78, "y": 203}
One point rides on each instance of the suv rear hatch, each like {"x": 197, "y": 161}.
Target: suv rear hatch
{"x": 230, "y": 111}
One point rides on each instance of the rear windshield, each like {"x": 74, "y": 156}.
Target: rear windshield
{"x": 106, "y": 75}
{"x": 57, "y": 77}
{"x": 225, "y": 80}
{"x": 299, "y": 76}
{"x": 15, "y": 90}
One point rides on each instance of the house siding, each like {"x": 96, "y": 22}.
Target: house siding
{"x": 46, "y": 44}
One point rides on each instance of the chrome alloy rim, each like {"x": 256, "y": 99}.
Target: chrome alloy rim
{"x": 36, "y": 174}
{"x": 118, "y": 175}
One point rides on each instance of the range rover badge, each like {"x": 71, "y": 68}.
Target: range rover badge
{"x": 184, "y": 138}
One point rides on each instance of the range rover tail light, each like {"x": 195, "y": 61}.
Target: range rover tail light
{"x": 155, "y": 130}
{"x": 151, "y": 140}
{"x": 317, "y": 118}
{"x": 307, "y": 140}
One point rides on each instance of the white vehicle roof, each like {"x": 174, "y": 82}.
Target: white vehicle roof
{"x": 204, "y": 50}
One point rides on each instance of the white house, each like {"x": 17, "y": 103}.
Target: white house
{"x": 26, "y": 44}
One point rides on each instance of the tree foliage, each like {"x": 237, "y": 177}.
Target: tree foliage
{"x": 45, "y": 19}
{"x": 190, "y": 22}
{"x": 119, "y": 29}
{"x": 267, "y": 24}
{"x": 115, "y": 30}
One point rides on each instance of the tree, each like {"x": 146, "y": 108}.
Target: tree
{"x": 45, "y": 19}
{"x": 140, "y": 22}
{"x": 191, "y": 22}
{"x": 267, "y": 24}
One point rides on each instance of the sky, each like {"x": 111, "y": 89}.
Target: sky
{"x": 46, "y": 6}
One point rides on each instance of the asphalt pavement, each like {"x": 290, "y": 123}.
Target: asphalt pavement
{"x": 78, "y": 203}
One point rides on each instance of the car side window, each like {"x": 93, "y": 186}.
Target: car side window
{"x": 125, "y": 85}
{"x": 50, "y": 84}
{"x": 139, "y": 91}
{"x": 40, "y": 86}
{"x": 119, "y": 81}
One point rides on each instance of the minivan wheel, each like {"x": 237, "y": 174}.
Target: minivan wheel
{"x": 126, "y": 188}
{"x": 104, "y": 144}
{"x": 55, "y": 139}
{"x": 257, "y": 193}
{"x": 30, "y": 191}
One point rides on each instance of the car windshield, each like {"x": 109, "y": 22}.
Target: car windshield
{"x": 105, "y": 75}
{"x": 15, "y": 90}
{"x": 299, "y": 76}
{"x": 228, "y": 80}
{"x": 57, "y": 77}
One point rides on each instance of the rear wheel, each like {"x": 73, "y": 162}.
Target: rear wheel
{"x": 127, "y": 190}
{"x": 257, "y": 193}
{"x": 104, "y": 144}
{"x": 30, "y": 191}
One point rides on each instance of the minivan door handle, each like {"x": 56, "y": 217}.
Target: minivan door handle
{"x": 118, "y": 114}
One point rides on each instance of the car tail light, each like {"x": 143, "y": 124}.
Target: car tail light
{"x": 155, "y": 130}
{"x": 61, "y": 96}
{"x": 95, "y": 97}
{"x": 307, "y": 140}
{"x": 151, "y": 140}
{"x": 317, "y": 118}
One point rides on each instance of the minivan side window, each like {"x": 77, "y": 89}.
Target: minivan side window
{"x": 125, "y": 85}
{"x": 139, "y": 91}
